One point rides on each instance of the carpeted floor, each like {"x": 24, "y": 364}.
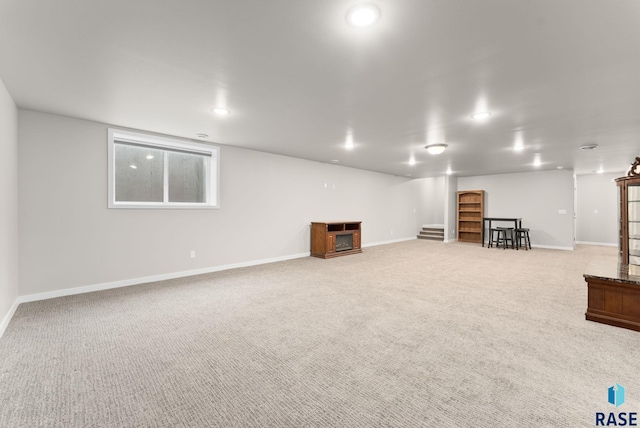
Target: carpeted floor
{"x": 414, "y": 334}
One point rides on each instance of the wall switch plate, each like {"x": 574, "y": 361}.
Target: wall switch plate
{"x": 193, "y": 254}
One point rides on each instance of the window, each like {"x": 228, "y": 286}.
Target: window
{"x": 154, "y": 172}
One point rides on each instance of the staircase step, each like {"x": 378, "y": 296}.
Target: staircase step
{"x": 432, "y": 233}
{"x": 431, "y": 238}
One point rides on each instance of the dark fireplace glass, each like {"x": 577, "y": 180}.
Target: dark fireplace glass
{"x": 344, "y": 242}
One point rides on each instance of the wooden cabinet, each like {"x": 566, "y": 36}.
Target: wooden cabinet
{"x": 334, "y": 239}
{"x": 470, "y": 213}
{"x": 613, "y": 294}
{"x": 613, "y": 289}
{"x": 629, "y": 198}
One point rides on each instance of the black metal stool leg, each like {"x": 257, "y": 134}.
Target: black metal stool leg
{"x": 522, "y": 236}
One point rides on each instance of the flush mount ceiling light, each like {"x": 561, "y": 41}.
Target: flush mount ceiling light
{"x": 202, "y": 135}
{"x": 435, "y": 149}
{"x": 149, "y": 157}
{"x": 349, "y": 144}
{"x": 133, "y": 166}
{"x": 363, "y": 15}
{"x": 536, "y": 160}
{"x": 481, "y": 115}
{"x": 589, "y": 147}
{"x": 221, "y": 111}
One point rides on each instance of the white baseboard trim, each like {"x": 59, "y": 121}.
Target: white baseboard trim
{"x": 552, "y": 247}
{"x": 153, "y": 278}
{"x": 434, "y": 225}
{"x": 142, "y": 280}
{"x": 393, "y": 241}
{"x": 547, "y": 247}
{"x": 8, "y": 316}
{"x": 602, "y": 244}
{"x": 162, "y": 277}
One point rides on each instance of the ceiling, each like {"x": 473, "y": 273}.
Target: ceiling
{"x": 300, "y": 81}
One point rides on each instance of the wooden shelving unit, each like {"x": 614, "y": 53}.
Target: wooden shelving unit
{"x": 470, "y": 214}
{"x": 629, "y": 186}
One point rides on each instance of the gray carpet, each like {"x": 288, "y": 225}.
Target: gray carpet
{"x": 415, "y": 334}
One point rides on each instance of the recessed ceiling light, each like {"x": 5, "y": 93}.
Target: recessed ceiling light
{"x": 481, "y": 115}
{"x": 412, "y": 161}
{"x": 435, "y": 149}
{"x": 363, "y": 15}
{"x": 202, "y": 135}
{"x": 133, "y": 166}
{"x": 149, "y": 157}
{"x": 449, "y": 172}
{"x": 334, "y": 161}
{"x": 559, "y": 167}
{"x": 221, "y": 111}
{"x": 589, "y": 147}
{"x": 518, "y": 148}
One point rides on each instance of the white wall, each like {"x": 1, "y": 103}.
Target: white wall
{"x": 70, "y": 239}
{"x": 536, "y": 197}
{"x": 8, "y": 205}
{"x": 430, "y": 201}
{"x": 451, "y": 209}
{"x": 597, "y": 209}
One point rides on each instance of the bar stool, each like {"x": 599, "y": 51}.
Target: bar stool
{"x": 509, "y": 235}
{"x": 498, "y": 235}
{"x": 523, "y": 234}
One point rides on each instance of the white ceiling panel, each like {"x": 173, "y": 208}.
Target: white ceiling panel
{"x": 299, "y": 81}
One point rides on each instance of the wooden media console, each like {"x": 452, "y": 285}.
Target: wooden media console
{"x": 335, "y": 239}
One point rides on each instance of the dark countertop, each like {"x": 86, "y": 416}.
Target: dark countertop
{"x": 619, "y": 272}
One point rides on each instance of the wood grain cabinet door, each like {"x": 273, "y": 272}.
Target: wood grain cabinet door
{"x": 331, "y": 243}
{"x": 356, "y": 240}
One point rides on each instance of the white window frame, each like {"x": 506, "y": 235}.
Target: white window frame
{"x": 212, "y": 170}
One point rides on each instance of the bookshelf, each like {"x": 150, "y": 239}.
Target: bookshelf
{"x": 470, "y": 205}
